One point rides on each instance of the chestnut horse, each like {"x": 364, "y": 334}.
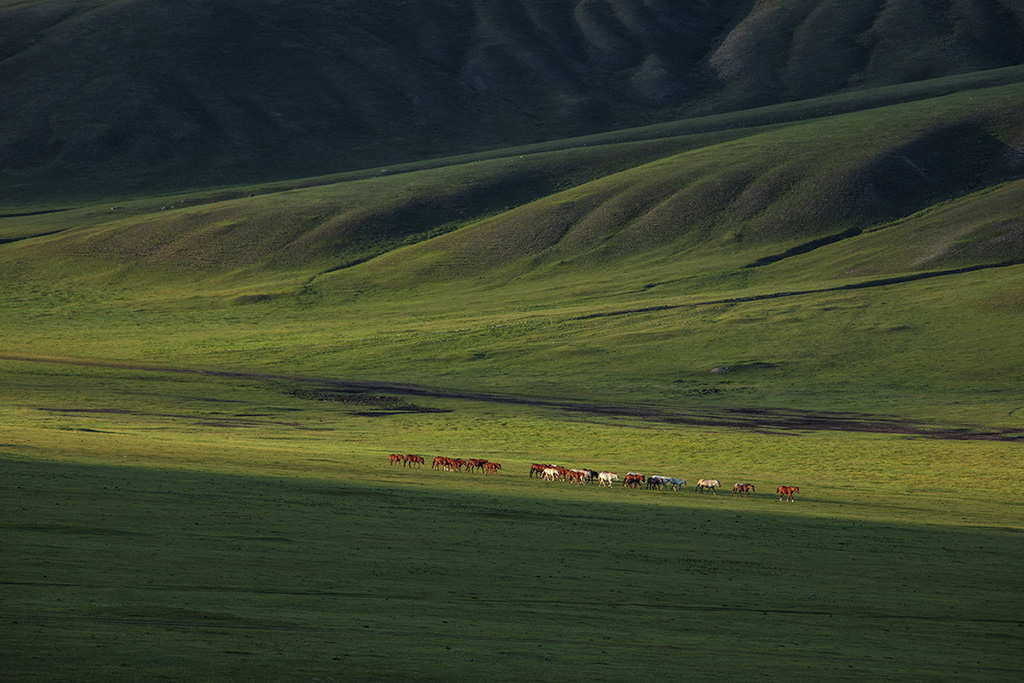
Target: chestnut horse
{"x": 538, "y": 469}
{"x": 635, "y": 480}
{"x": 475, "y": 463}
{"x": 788, "y": 491}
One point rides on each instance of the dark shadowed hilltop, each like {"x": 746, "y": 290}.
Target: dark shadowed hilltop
{"x": 150, "y": 94}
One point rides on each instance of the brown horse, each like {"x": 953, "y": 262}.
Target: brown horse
{"x": 785, "y": 491}
{"x": 538, "y": 469}
{"x": 635, "y": 480}
{"x": 394, "y": 458}
{"x": 743, "y": 489}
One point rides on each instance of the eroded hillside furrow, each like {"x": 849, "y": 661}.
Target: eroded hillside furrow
{"x": 867, "y": 284}
{"x": 805, "y": 248}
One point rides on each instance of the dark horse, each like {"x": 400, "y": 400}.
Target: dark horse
{"x": 743, "y": 489}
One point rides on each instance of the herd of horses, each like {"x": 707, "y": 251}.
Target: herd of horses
{"x": 633, "y": 480}
{"x": 444, "y": 464}
{"x": 638, "y": 480}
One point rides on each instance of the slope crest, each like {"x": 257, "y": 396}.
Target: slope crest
{"x": 109, "y": 96}
{"x": 751, "y": 198}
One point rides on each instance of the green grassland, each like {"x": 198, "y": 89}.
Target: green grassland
{"x": 201, "y": 390}
{"x": 181, "y": 526}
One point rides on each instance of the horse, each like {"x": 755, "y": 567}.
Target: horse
{"x": 635, "y": 480}
{"x": 475, "y": 463}
{"x": 606, "y": 478}
{"x": 395, "y": 458}
{"x": 656, "y": 482}
{"x": 412, "y": 460}
{"x": 492, "y": 467}
{"x": 707, "y": 484}
{"x": 788, "y": 491}
{"x": 743, "y": 489}
{"x": 446, "y": 464}
{"x": 676, "y": 484}
{"x": 538, "y": 469}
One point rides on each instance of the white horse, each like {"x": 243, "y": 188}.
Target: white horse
{"x": 707, "y": 485}
{"x": 606, "y": 478}
{"x": 676, "y": 484}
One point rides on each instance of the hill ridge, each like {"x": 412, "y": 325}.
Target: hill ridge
{"x": 146, "y": 95}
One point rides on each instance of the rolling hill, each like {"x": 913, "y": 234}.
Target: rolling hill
{"x": 105, "y": 97}
{"x": 801, "y": 255}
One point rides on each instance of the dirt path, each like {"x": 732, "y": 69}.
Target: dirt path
{"x": 754, "y": 419}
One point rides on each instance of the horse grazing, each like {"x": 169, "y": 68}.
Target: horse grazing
{"x": 743, "y": 489}
{"x": 676, "y": 484}
{"x": 395, "y": 458}
{"x": 707, "y": 485}
{"x": 491, "y": 467}
{"x": 606, "y": 478}
{"x": 787, "y": 492}
{"x": 412, "y": 460}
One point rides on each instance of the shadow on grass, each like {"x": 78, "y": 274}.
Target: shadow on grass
{"x": 178, "y": 572}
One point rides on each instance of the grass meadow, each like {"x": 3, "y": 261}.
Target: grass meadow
{"x": 200, "y": 393}
{"x": 169, "y": 526}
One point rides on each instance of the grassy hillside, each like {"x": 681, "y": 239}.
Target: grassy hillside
{"x": 824, "y": 263}
{"x": 150, "y": 95}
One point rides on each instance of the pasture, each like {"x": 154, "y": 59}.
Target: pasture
{"x": 180, "y": 525}
{"x": 201, "y": 393}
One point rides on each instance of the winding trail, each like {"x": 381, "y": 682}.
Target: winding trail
{"x": 753, "y": 419}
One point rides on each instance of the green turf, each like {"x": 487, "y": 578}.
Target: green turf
{"x": 175, "y": 526}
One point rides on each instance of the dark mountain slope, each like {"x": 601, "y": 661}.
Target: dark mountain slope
{"x": 793, "y": 49}
{"x": 148, "y": 94}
